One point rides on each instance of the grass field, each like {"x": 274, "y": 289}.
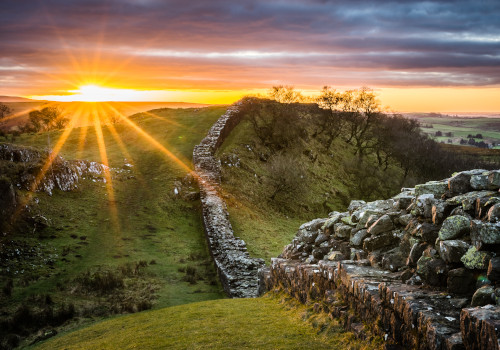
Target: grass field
{"x": 462, "y": 127}
{"x": 262, "y": 323}
{"x": 152, "y": 226}
{"x": 20, "y": 110}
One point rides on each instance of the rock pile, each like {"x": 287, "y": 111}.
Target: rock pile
{"x": 26, "y": 163}
{"x": 236, "y": 269}
{"x": 441, "y": 233}
{"x": 441, "y": 236}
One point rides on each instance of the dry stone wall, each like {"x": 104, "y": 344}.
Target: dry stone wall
{"x": 422, "y": 268}
{"x": 238, "y": 272}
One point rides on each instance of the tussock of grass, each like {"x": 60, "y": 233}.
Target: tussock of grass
{"x": 262, "y": 323}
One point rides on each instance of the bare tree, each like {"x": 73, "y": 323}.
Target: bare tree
{"x": 287, "y": 176}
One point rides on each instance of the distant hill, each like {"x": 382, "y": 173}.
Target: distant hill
{"x": 14, "y": 99}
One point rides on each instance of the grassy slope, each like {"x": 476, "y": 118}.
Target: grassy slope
{"x": 153, "y": 225}
{"x": 268, "y": 226}
{"x": 223, "y": 324}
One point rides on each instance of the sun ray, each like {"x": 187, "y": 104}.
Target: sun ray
{"x": 107, "y": 173}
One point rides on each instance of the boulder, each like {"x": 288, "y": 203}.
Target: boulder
{"x": 336, "y": 256}
{"x": 494, "y": 180}
{"x": 451, "y": 251}
{"x": 313, "y": 225}
{"x": 393, "y": 260}
{"x": 329, "y": 225}
{"x": 461, "y": 281}
{"x": 355, "y": 205}
{"x": 426, "y": 231}
{"x": 460, "y": 183}
{"x": 437, "y": 188}
{"x": 440, "y": 210}
{"x": 415, "y": 253}
{"x": 484, "y": 234}
{"x": 364, "y": 215}
{"x": 358, "y": 237}
{"x": 404, "y": 219}
{"x": 384, "y": 224}
{"x": 320, "y": 239}
{"x": 494, "y": 269}
{"x": 423, "y": 205}
{"x": 476, "y": 260}
{"x": 494, "y": 213}
{"x": 433, "y": 271}
{"x": 483, "y": 296}
{"x": 479, "y": 181}
{"x": 376, "y": 242}
{"x": 454, "y": 227}
{"x": 342, "y": 231}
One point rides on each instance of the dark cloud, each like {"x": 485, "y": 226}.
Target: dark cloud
{"x": 390, "y": 42}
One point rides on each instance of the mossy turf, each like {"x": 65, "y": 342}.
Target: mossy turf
{"x": 262, "y": 323}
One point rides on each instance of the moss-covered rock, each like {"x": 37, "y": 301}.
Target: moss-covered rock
{"x": 476, "y": 260}
{"x": 454, "y": 227}
{"x": 436, "y": 188}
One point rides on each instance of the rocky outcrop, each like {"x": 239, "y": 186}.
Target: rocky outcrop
{"x": 410, "y": 263}
{"x": 26, "y": 164}
{"x": 236, "y": 269}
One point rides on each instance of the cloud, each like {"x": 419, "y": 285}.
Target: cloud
{"x": 250, "y": 43}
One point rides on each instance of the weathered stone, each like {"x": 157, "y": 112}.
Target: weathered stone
{"x": 427, "y": 232}
{"x": 308, "y": 236}
{"x": 494, "y": 213}
{"x": 355, "y": 205}
{"x": 423, "y": 205}
{"x": 494, "y": 269}
{"x": 494, "y": 180}
{"x": 329, "y": 225}
{"x": 357, "y": 239}
{"x": 479, "y": 182}
{"x": 460, "y": 183}
{"x": 319, "y": 252}
{"x": 393, "y": 260}
{"x": 461, "y": 281}
{"x": 415, "y": 253}
{"x": 440, "y": 210}
{"x": 371, "y": 220}
{"x": 313, "y": 225}
{"x": 403, "y": 201}
{"x": 320, "y": 239}
{"x": 436, "y": 188}
{"x": 468, "y": 200}
{"x": 480, "y": 327}
{"x": 376, "y": 242}
{"x": 432, "y": 271}
{"x": 336, "y": 256}
{"x": 342, "y": 231}
{"x": 484, "y": 234}
{"x": 404, "y": 220}
{"x": 454, "y": 342}
{"x": 451, "y": 251}
{"x": 384, "y": 224}
{"x": 475, "y": 259}
{"x": 483, "y": 296}
{"x": 454, "y": 227}
{"x": 348, "y": 221}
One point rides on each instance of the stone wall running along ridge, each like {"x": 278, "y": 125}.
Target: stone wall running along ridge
{"x": 238, "y": 272}
{"x": 421, "y": 268}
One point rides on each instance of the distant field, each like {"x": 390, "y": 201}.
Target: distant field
{"x": 461, "y": 127}
{"x": 22, "y": 109}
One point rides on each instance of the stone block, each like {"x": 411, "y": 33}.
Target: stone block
{"x": 454, "y": 227}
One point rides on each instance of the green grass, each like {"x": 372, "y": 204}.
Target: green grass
{"x": 153, "y": 223}
{"x": 261, "y": 323}
{"x": 462, "y": 127}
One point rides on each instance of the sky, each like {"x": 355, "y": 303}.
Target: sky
{"x": 432, "y": 56}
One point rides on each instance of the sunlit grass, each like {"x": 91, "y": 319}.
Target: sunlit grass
{"x": 261, "y": 323}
